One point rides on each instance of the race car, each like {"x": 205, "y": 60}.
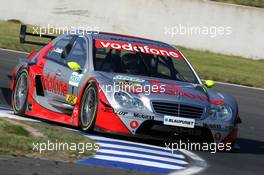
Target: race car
{"x": 120, "y": 84}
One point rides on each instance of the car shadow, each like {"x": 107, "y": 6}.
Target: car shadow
{"x": 5, "y": 95}
{"x": 249, "y": 146}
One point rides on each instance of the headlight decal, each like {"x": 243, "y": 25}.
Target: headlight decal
{"x": 217, "y": 102}
{"x": 222, "y": 112}
{"x": 125, "y": 100}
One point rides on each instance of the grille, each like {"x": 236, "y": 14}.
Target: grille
{"x": 179, "y": 110}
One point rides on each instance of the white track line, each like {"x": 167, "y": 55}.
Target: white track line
{"x": 5, "y": 108}
{"x": 139, "y": 162}
{"x": 134, "y": 148}
{"x": 240, "y": 86}
{"x": 189, "y": 171}
{"x": 10, "y": 114}
{"x": 98, "y": 138}
{"x": 192, "y": 155}
{"x": 199, "y": 164}
{"x": 125, "y": 153}
{"x": 15, "y": 51}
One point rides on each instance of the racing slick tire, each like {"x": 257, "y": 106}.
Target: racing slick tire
{"x": 20, "y": 93}
{"x": 89, "y": 107}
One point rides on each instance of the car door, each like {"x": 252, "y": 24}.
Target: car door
{"x": 56, "y": 87}
{"x": 79, "y": 55}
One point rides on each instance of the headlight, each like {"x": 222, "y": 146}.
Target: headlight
{"x": 125, "y": 100}
{"x": 220, "y": 112}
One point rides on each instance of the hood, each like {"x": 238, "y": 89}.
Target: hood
{"x": 157, "y": 89}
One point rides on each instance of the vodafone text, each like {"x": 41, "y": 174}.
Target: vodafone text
{"x": 138, "y": 48}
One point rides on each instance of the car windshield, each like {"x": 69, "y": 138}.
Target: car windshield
{"x": 143, "y": 60}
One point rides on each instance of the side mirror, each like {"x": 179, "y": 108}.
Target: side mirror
{"x": 74, "y": 66}
{"x": 209, "y": 83}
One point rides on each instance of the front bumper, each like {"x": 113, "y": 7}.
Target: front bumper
{"x": 137, "y": 123}
{"x": 205, "y": 129}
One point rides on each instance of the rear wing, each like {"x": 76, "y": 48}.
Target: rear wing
{"x": 24, "y": 33}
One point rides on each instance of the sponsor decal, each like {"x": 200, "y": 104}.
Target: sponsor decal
{"x": 107, "y": 109}
{"x": 134, "y": 124}
{"x": 217, "y": 102}
{"x": 217, "y": 136}
{"x": 189, "y": 131}
{"x": 143, "y": 116}
{"x": 128, "y": 78}
{"x": 124, "y": 83}
{"x": 75, "y": 114}
{"x": 174, "y": 89}
{"x": 135, "y": 115}
{"x": 53, "y": 85}
{"x": 121, "y": 113}
{"x": 71, "y": 99}
{"x": 138, "y": 48}
{"x": 75, "y": 79}
{"x": 179, "y": 121}
{"x": 170, "y": 89}
{"x": 57, "y": 50}
{"x": 213, "y": 126}
{"x": 31, "y": 79}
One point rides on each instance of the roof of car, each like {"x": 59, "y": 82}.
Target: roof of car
{"x": 128, "y": 38}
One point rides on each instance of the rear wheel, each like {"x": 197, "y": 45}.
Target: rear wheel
{"x": 20, "y": 93}
{"x": 89, "y": 106}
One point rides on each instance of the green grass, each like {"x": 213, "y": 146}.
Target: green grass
{"x": 17, "y": 138}
{"x": 9, "y": 37}
{"x": 254, "y": 3}
{"x": 231, "y": 69}
{"x": 14, "y": 129}
{"x": 209, "y": 65}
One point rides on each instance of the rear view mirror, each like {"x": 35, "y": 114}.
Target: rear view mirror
{"x": 209, "y": 83}
{"x": 74, "y": 66}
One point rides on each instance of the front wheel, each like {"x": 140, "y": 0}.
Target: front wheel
{"x": 89, "y": 106}
{"x": 20, "y": 93}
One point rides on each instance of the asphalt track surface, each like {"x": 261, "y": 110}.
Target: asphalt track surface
{"x": 250, "y": 159}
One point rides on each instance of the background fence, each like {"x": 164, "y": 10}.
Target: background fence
{"x": 190, "y": 23}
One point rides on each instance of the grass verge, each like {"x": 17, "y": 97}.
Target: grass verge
{"x": 9, "y": 37}
{"x": 226, "y": 68}
{"x": 253, "y": 3}
{"x": 19, "y": 137}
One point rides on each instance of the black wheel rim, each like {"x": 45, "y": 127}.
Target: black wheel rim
{"x": 20, "y": 94}
{"x": 89, "y": 108}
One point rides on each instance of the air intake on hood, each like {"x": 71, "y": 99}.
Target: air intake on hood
{"x": 178, "y": 110}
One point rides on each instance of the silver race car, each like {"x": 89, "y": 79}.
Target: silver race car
{"x": 121, "y": 84}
